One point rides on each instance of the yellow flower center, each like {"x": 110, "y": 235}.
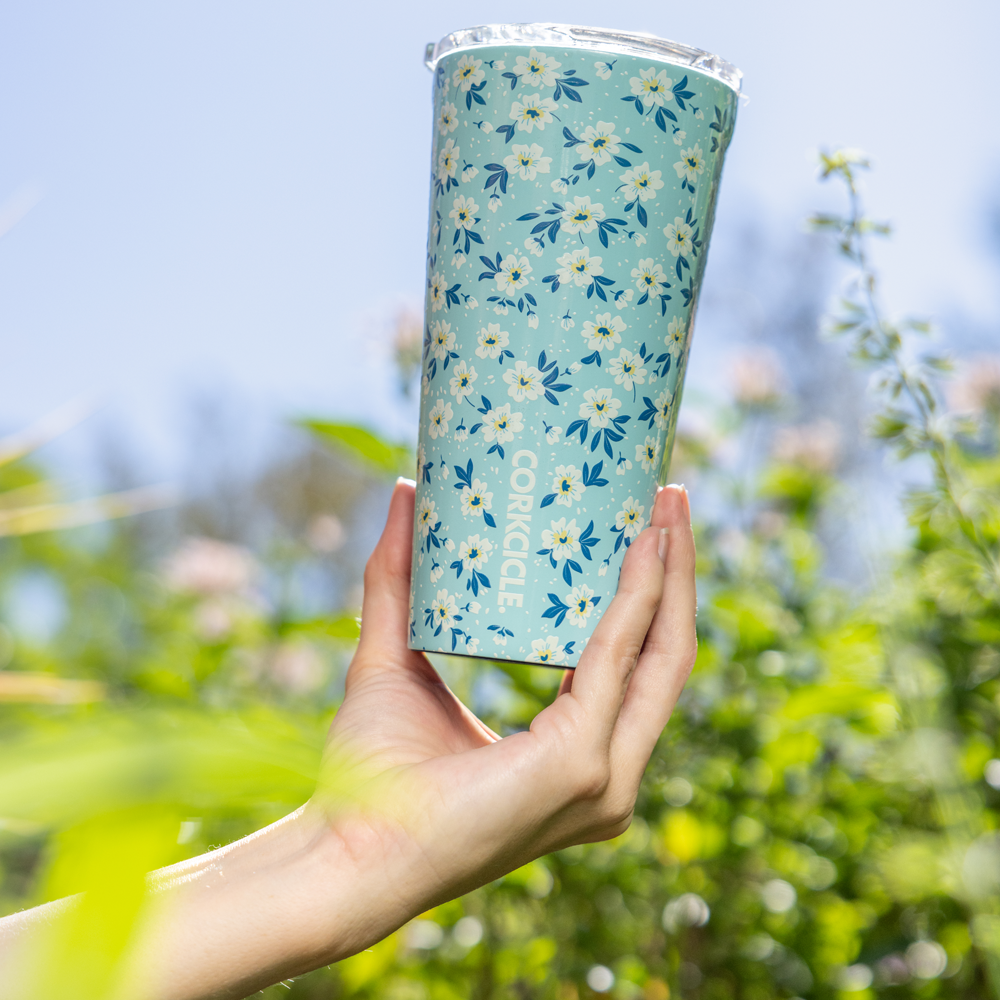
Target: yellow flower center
{"x": 531, "y": 113}
{"x": 582, "y": 216}
{"x": 581, "y": 606}
{"x": 599, "y": 143}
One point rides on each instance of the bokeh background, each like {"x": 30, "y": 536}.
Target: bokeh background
{"x": 191, "y": 196}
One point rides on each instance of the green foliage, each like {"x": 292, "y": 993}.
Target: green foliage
{"x": 815, "y": 821}
{"x": 366, "y": 448}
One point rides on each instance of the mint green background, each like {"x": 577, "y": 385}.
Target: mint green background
{"x": 600, "y": 101}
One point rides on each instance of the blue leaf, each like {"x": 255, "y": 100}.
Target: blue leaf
{"x": 547, "y": 500}
{"x": 488, "y": 518}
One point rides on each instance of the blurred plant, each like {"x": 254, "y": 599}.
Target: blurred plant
{"x": 818, "y": 821}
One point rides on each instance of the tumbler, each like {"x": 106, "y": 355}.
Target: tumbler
{"x": 574, "y": 174}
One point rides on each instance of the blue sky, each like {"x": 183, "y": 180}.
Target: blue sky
{"x": 215, "y": 185}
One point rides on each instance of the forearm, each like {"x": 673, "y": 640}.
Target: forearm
{"x": 284, "y": 901}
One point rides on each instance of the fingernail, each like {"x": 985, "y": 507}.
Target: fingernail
{"x": 687, "y": 502}
{"x": 661, "y": 547}
{"x": 407, "y": 481}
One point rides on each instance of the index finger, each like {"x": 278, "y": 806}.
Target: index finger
{"x": 602, "y": 676}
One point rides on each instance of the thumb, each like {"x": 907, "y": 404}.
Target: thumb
{"x": 385, "y": 610}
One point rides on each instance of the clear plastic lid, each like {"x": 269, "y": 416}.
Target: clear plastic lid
{"x": 577, "y": 36}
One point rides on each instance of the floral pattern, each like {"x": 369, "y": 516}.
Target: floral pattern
{"x": 548, "y": 398}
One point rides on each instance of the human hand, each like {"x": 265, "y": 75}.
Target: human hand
{"x": 451, "y": 806}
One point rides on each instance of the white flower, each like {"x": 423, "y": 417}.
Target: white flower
{"x": 513, "y": 274}
{"x": 468, "y": 73}
{"x": 468, "y": 173}
{"x": 437, "y": 287}
{"x": 486, "y": 128}
{"x": 471, "y": 302}
{"x": 568, "y": 485}
{"x": 637, "y": 238}
{"x": 442, "y": 339}
{"x": 699, "y": 114}
{"x": 679, "y": 236}
{"x": 421, "y": 458}
{"x": 500, "y": 640}
{"x": 629, "y": 519}
{"x": 679, "y": 136}
{"x": 567, "y": 322}
{"x": 533, "y": 112}
{"x": 623, "y": 298}
{"x": 578, "y": 266}
{"x": 444, "y": 470}
{"x": 627, "y": 369}
{"x": 652, "y": 86}
{"x": 462, "y": 379}
{"x": 448, "y": 119}
{"x": 500, "y": 309}
{"x": 641, "y": 182}
{"x": 533, "y": 321}
{"x": 553, "y": 434}
{"x": 546, "y": 650}
{"x": 623, "y": 466}
{"x": 647, "y": 454}
{"x": 458, "y": 260}
{"x": 603, "y": 332}
{"x": 563, "y": 539}
{"x": 603, "y": 570}
{"x": 494, "y": 203}
{"x": 581, "y": 602}
{"x": 649, "y": 276}
{"x": 420, "y": 559}
{"x": 475, "y": 552}
{"x": 599, "y": 407}
{"x": 499, "y": 65}
{"x": 574, "y": 368}
{"x": 464, "y": 212}
{"x": 474, "y": 607}
{"x": 501, "y": 424}
{"x": 536, "y": 69}
{"x": 492, "y": 340}
{"x": 461, "y": 433}
{"x": 475, "y": 499}
{"x": 448, "y": 161}
{"x": 534, "y": 245}
{"x": 524, "y": 380}
{"x": 581, "y": 216}
{"x": 472, "y": 646}
{"x": 438, "y": 419}
{"x": 662, "y": 408}
{"x": 603, "y": 70}
{"x": 691, "y": 164}
{"x": 527, "y": 161}
{"x": 425, "y": 385}
{"x": 560, "y": 185}
{"x": 449, "y": 545}
{"x": 443, "y": 608}
{"x": 599, "y": 143}
{"x": 426, "y": 517}
{"x": 436, "y": 573}
{"x": 676, "y": 333}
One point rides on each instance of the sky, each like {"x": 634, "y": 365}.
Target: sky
{"x": 230, "y": 198}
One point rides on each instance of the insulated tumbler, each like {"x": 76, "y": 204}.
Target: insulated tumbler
{"x": 574, "y": 175}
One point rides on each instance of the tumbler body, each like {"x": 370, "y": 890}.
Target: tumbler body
{"x": 574, "y": 177}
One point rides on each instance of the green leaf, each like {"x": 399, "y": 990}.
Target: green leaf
{"x": 364, "y": 446}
